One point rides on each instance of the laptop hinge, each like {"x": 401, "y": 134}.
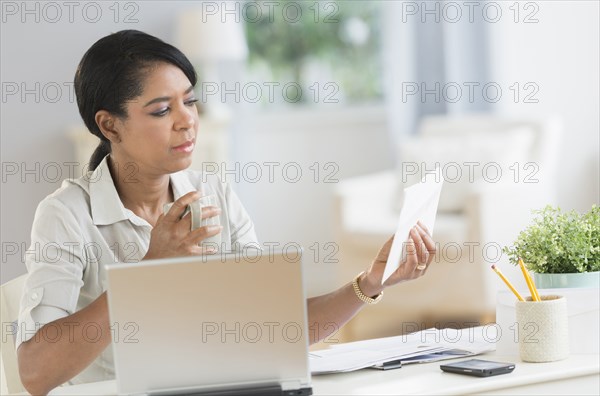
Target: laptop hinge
{"x": 295, "y": 388}
{"x": 267, "y": 390}
{"x": 298, "y": 392}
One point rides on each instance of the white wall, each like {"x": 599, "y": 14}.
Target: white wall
{"x": 560, "y": 53}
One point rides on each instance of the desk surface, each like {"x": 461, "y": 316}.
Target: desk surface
{"x": 580, "y": 371}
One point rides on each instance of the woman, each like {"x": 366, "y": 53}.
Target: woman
{"x": 135, "y": 93}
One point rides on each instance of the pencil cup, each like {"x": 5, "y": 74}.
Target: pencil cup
{"x": 543, "y": 329}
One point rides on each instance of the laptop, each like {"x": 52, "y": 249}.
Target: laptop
{"x": 224, "y": 324}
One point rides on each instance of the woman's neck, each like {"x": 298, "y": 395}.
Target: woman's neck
{"x": 144, "y": 194}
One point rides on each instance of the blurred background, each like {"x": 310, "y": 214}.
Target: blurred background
{"x": 319, "y": 113}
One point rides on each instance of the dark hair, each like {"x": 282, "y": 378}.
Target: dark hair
{"x": 111, "y": 73}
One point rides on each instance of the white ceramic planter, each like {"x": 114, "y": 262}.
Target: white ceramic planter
{"x": 561, "y": 281}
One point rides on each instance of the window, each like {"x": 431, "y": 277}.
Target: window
{"x": 318, "y": 52}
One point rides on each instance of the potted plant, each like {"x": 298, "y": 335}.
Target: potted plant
{"x": 561, "y": 248}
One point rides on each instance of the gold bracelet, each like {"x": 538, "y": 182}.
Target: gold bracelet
{"x": 361, "y": 296}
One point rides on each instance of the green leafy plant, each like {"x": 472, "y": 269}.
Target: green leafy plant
{"x": 559, "y": 242}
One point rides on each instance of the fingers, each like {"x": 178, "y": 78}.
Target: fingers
{"x": 180, "y": 206}
{"x": 202, "y": 233}
{"x": 208, "y": 250}
{"x": 388, "y": 244}
{"x": 196, "y": 250}
{"x": 210, "y": 211}
{"x": 384, "y": 252}
{"x": 420, "y": 250}
{"x": 424, "y": 247}
{"x": 411, "y": 254}
{"x": 428, "y": 241}
{"x": 423, "y": 226}
{"x": 422, "y": 255}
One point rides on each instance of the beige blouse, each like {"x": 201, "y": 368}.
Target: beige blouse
{"x": 81, "y": 227}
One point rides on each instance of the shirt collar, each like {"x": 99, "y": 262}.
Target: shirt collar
{"x": 105, "y": 202}
{"x": 181, "y": 184}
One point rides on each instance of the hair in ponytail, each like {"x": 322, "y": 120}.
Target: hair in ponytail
{"x": 111, "y": 73}
{"x": 99, "y": 153}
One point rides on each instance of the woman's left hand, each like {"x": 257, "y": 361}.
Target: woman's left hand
{"x": 420, "y": 251}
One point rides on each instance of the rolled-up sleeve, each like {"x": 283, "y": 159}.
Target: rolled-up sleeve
{"x": 55, "y": 263}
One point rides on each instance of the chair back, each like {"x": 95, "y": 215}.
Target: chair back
{"x": 10, "y": 298}
{"x": 544, "y": 150}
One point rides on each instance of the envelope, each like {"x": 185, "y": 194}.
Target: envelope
{"x": 420, "y": 203}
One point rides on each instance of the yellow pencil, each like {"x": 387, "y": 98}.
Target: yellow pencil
{"x": 537, "y": 295}
{"x": 510, "y": 286}
{"x": 534, "y": 293}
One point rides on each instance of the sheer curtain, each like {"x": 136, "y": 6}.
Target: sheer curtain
{"x": 433, "y": 56}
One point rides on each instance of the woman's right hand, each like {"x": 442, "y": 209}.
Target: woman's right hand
{"x": 171, "y": 236}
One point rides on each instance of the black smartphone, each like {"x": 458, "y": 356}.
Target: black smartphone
{"x": 478, "y": 368}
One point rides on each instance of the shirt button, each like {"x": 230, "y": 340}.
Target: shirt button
{"x": 34, "y": 296}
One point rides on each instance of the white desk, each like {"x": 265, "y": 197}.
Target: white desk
{"x": 578, "y": 374}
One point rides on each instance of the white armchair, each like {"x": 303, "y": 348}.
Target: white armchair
{"x": 477, "y": 215}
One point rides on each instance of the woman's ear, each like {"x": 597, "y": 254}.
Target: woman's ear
{"x": 108, "y": 126}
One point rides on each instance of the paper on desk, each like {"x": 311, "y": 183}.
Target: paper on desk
{"x": 420, "y": 203}
{"x": 424, "y": 346}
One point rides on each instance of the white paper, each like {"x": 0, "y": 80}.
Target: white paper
{"x": 420, "y": 204}
{"x": 423, "y": 346}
